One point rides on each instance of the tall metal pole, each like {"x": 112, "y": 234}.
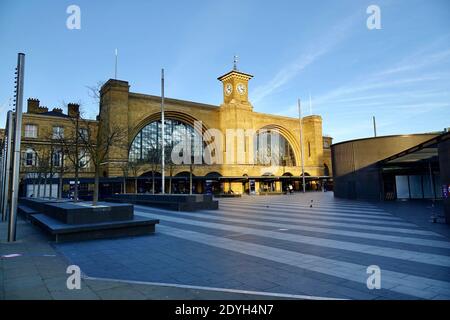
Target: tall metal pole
{"x": 2, "y": 173}
{"x": 3, "y": 176}
{"x": 301, "y": 144}
{"x": 374, "y": 126}
{"x": 7, "y": 172}
{"x": 310, "y": 105}
{"x": 115, "y": 67}
{"x": 162, "y": 134}
{"x": 17, "y": 138}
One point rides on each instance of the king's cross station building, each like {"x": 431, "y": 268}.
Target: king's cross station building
{"x": 233, "y": 148}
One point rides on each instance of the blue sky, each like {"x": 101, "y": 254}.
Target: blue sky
{"x": 400, "y": 74}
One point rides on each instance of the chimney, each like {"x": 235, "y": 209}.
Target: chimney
{"x": 33, "y": 105}
{"x": 42, "y": 109}
{"x": 73, "y": 110}
{"x": 57, "y": 110}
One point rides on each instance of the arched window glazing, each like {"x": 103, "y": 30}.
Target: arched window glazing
{"x": 146, "y": 146}
{"x": 271, "y": 148}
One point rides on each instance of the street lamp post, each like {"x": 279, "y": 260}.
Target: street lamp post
{"x": 2, "y": 175}
{"x": 7, "y": 165}
{"x": 17, "y": 138}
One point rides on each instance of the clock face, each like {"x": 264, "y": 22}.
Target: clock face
{"x": 241, "y": 88}
{"x": 228, "y": 89}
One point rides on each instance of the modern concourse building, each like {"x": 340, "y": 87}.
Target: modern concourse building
{"x": 401, "y": 167}
{"x": 235, "y": 143}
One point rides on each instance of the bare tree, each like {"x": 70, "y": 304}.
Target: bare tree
{"x": 65, "y": 146}
{"x": 72, "y": 149}
{"x": 125, "y": 170}
{"x": 134, "y": 168}
{"x": 38, "y": 168}
{"x": 169, "y": 164}
{"x": 60, "y": 151}
{"x": 153, "y": 157}
{"x": 42, "y": 164}
{"x": 64, "y": 166}
{"x": 30, "y": 169}
{"x": 50, "y": 154}
{"x": 131, "y": 169}
{"x": 191, "y": 173}
{"x": 97, "y": 144}
{"x": 94, "y": 91}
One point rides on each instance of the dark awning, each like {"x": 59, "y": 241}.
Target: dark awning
{"x": 424, "y": 152}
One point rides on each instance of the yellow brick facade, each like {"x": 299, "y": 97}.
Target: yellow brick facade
{"x": 133, "y": 111}
{"x": 44, "y": 122}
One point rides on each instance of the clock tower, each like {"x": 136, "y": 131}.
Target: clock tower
{"x": 235, "y": 87}
{"x": 236, "y": 116}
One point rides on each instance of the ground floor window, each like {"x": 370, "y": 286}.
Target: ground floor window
{"x": 417, "y": 186}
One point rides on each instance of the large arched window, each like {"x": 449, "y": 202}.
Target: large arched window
{"x": 146, "y": 146}
{"x": 271, "y": 148}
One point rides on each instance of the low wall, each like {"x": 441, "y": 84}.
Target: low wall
{"x": 177, "y": 202}
{"x": 80, "y": 212}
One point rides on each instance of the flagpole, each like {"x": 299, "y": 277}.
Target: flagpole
{"x": 301, "y": 144}
{"x": 374, "y": 126}
{"x": 310, "y": 105}
{"x": 162, "y": 133}
{"x": 115, "y": 67}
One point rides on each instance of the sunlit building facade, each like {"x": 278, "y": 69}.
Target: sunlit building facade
{"x": 232, "y": 148}
{"x": 240, "y": 150}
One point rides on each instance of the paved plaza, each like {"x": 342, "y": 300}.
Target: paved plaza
{"x": 288, "y": 246}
